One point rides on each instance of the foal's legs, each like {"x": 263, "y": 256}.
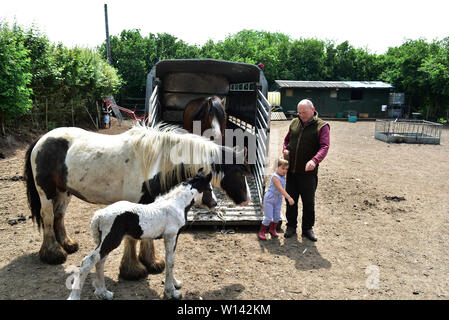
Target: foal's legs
{"x": 170, "y": 281}
{"x": 88, "y": 262}
{"x": 59, "y": 207}
{"x": 100, "y": 288}
{"x": 51, "y": 251}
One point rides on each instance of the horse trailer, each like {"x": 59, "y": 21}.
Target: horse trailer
{"x": 172, "y": 83}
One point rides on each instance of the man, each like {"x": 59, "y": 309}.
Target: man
{"x": 305, "y": 146}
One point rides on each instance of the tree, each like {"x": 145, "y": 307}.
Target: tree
{"x": 42, "y": 65}
{"x": 251, "y": 46}
{"x": 436, "y": 67}
{"x": 306, "y": 59}
{"x": 133, "y": 56}
{"x": 403, "y": 68}
{"x": 15, "y": 75}
{"x": 129, "y": 55}
{"x": 417, "y": 68}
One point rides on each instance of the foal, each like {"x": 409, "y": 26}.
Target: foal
{"x": 161, "y": 219}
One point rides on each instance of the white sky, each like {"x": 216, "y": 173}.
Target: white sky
{"x": 372, "y": 24}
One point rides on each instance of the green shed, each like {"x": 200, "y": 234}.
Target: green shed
{"x": 336, "y": 98}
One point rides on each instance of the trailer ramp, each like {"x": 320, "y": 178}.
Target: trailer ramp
{"x": 227, "y": 213}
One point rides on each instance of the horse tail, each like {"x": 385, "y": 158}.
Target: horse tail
{"x": 34, "y": 202}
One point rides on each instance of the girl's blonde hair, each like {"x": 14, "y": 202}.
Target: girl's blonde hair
{"x": 281, "y": 162}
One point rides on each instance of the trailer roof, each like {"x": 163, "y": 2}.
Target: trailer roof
{"x": 333, "y": 84}
{"x": 235, "y": 72}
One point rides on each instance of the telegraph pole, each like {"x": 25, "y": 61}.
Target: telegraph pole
{"x": 108, "y": 43}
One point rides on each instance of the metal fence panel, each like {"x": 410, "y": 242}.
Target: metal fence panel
{"x": 408, "y": 131}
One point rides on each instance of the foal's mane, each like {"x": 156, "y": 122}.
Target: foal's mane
{"x": 150, "y": 142}
{"x": 173, "y": 193}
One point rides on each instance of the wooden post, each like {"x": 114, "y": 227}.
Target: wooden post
{"x": 46, "y": 113}
{"x": 87, "y": 110}
{"x": 108, "y": 43}
{"x": 99, "y": 123}
{"x": 31, "y": 116}
{"x": 73, "y": 118}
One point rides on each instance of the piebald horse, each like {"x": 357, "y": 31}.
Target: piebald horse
{"x": 210, "y": 111}
{"x": 137, "y": 166}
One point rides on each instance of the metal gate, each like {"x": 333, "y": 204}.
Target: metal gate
{"x": 263, "y": 119}
{"x": 408, "y": 131}
{"x": 153, "y": 114}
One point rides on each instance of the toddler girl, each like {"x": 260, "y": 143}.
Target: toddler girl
{"x": 272, "y": 200}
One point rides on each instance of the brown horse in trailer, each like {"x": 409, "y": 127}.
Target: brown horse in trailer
{"x": 211, "y": 112}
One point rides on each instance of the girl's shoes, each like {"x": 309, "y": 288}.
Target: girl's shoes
{"x": 262, "y": 231}
{"x": 272, "y": 230}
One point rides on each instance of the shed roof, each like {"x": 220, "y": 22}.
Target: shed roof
{"x": 333, "y": 84}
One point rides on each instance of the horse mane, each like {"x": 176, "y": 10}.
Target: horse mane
{"x": 216, "y": 108}
{"x": 202, "y": 110}
{"x": 150, "y": 142}
{"x": 210, "y": 104}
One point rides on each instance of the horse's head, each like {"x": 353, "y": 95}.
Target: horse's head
{"x": 205, "y": 195}
{"x": 216, "y": 118}
{"x": 234, "y": 181}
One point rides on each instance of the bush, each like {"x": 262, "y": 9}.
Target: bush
{"x": 15, "y": 75}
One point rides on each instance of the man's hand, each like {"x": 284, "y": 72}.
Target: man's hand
{"x": 310, "y": 166}
{"x": 286, "y": 153}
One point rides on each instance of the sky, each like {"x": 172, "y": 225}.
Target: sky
{"x": 374, "y": 25}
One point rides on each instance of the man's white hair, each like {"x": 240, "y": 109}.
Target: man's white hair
{"x": 306, "y": 102}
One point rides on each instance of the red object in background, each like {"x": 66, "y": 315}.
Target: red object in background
{"x": 131, "y": 114}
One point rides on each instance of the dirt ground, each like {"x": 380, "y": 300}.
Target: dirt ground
{"x": 382, "y": 221}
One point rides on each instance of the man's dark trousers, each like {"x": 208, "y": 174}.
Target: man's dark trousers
{"x": 303, "y": 185}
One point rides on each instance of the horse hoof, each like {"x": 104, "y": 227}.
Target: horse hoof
{"x": 177, "y": 284}
{"x": 155, "y": 267}
{"x": 71, "y": 247}
{"x": 174, "y": 295}
{"x": 53, "y": 257}
{"x": 104, "y": 295}
{"x": 134, "y": 272}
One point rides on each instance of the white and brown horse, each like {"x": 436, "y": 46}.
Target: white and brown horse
{"x": 137, "y": 165}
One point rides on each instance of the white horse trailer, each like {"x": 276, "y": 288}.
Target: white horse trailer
{"x": 171, "y": 84}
